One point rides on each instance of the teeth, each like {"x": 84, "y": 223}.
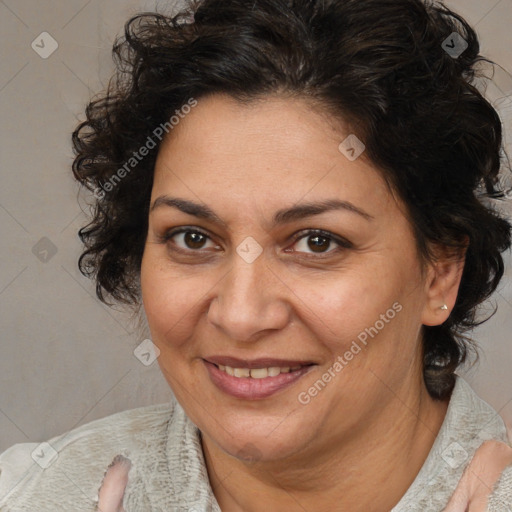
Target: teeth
{"x": 241, "y": 372}
{"x": 273, "y": 371}
{"x": 257, "y": 373}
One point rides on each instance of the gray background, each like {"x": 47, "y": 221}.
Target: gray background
{"x": 66, "y": 359}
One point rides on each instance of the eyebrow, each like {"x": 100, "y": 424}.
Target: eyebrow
{"x": 282, "y": 216}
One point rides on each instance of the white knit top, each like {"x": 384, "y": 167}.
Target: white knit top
{"x": 168, "y": 471}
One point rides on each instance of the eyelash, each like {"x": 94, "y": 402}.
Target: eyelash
{"x": 342, "y": 243}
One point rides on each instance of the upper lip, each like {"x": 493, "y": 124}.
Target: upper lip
{"x": 262, "y": 362}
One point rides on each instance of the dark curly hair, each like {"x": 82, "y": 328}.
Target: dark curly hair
{"x": 381, "y": 65}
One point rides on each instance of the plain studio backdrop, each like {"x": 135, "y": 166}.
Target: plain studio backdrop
{"x": 66, "y": 359}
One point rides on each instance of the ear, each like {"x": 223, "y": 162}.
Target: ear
{"x": 442, "y": 285}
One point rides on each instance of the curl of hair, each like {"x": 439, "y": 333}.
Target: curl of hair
{"x": 378, "y": 64}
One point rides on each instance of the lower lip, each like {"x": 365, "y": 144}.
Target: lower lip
{"x": 253, "y": 389}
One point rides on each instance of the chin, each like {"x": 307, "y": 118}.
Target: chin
{"x": 249, "y": 442}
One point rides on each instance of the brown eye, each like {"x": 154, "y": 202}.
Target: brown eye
{"x": 319, "y": 242}
{"x": 187, "y": 240}
{"x": 193, "y": 239}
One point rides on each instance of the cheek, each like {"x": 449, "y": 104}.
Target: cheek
{"x": 168, "y": 301}
{"x": 371, "y": 309}
{"x": 346, "y": 304}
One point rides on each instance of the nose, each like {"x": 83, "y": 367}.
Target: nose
{"x": 249, "y": 301}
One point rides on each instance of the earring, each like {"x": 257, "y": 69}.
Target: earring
{"x": 444, "y": 306}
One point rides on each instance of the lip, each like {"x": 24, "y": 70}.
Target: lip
{"x": 247, "y": 388}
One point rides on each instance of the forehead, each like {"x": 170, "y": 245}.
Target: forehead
{"x": 275, "y": 150}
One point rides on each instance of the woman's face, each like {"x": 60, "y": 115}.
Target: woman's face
{"x": 231, "y": 278}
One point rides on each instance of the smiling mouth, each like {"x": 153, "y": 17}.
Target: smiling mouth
{"x": 255, "y": 379}
{"x": 259, "y": 368}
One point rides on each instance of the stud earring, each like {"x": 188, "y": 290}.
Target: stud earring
{"x": 444, "y": 306}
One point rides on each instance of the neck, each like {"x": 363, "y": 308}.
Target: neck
{"x": 371, "y": 471}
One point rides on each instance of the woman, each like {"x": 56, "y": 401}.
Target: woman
{"x": 293, "y": 191}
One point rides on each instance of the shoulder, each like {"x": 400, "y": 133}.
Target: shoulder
{"x": 470, "y": 418}
{"x": 469, "y": 422}
{"x": 75, "y": 461}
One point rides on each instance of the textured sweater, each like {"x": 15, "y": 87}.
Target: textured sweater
{"x": 169, "y": 474}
